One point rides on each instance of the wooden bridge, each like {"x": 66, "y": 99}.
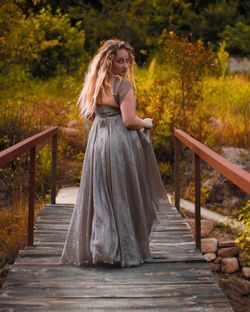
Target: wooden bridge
{"x": 176, "y": 279}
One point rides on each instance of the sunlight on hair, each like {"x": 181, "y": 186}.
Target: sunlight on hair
{"x": 99, "y": 71}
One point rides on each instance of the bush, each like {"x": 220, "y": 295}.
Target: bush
{"x": 45, "y": 44}
{"x": 174, "y": 99}
{"x": 237, "y": 38}
{"x": 228, "y": 100}
{"x": 243, "y": 240}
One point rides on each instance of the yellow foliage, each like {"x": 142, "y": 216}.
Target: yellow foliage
{"x": 13, "y": 230}
{"x": 47, "y": 44}
{"x": 228, "y": 100}
{"x": 13, "y": 223}
{"x": 164, "y": 167}
{"x": 243, "y": 239}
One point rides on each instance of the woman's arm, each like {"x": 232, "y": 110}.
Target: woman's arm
{"x": 129, "y": 117}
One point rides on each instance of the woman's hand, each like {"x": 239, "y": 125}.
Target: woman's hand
{"x": 148, "y": 123}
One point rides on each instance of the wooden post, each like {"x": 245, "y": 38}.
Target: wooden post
{"x": 197, "y": 202}
{"x": 31, "y": 196}
{"x": 177, "y": 172}
{"x": 53, "y": 171}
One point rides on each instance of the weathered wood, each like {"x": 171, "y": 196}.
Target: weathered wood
{"x": 175, "y": 279}
{"x": 101, "y": 290}
{"x": 113, "y": 305}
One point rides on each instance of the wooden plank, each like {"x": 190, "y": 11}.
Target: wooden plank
{"x": 204, "y": 293}
{"x": 115, "y": 304}
{"x": 168, "y": 272}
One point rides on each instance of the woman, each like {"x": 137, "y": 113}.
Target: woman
{"x": 120, "y": 184}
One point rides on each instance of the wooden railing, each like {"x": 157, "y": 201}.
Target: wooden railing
{"x": 232, "y": 172}
{"x": 11, "y": 153}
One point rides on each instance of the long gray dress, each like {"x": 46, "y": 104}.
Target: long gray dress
{"x": 118, "y": 195}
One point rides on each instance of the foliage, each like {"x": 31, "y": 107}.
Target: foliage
{"x": 173, "y": 100}
{"x": 237, "y": 38}
{"x": 29, "y": 106}
{"x": 44, "y": 164}
{"x": 135, "y": 21}
{"x": 13, "y": 229}
{"x": 142, "y": 22}
{"x": 222, "y": 61}
{"x": 243, "y": 240}
{"x": 228, "y": 100}
{"x": 14, "y": 124}
{"x": 45, "y": 43}
{"x": 216, "y": 16}
{"x": 13, "y": 215}
{"x": 13, "y": 225}
{"x": 165, "y": 170}
{"x": 191, "y": 61}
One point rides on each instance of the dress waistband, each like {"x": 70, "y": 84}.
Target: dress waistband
{"x": 107, "y": 110}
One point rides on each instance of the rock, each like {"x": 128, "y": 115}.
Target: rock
{"x": 217, "y": 260}
{"x": 71, "y": 131}
{"x": 238, "y": 156}
{"x": 232, "y": 203}
{"x": 222, "y": 192}
{"x": 229, "y": 265}
{"x": 215, "y": 123}
{"x": 209, "y": 256}
{"x": 214, "y": 266}
{"x": 226, "y": 194}
{"x": 237, "y": 290}
{"x": 228, "y": 252}
{"x": 246, "y": 272}
{"x": 227, "y": 243}
{"x": 208, "y": 245}
{"x": 207, "y": 226}
{"x": 239, "y": 64}
{"x": 74, "y": 123}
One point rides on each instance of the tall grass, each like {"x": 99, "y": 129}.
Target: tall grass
{"x": 229, "y": 101}
{"x": 225, "y": 100}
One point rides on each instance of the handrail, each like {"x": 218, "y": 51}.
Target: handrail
{"x": 232, "y": 172}
{"x": 29, "y": 144}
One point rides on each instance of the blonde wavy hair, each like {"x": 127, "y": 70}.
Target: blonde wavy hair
{"x": 99, "y": 71}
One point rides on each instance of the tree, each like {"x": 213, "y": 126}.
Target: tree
{"x": 176, "y": 92}
{"x": 215, "y": 19}
{"x": 237, "y": 38}
{"x": 142, "y": 22}
{"x": 45, "y": 42}
{"x": 10, "y": 17}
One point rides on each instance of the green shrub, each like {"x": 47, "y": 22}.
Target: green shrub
{"x": 45, "y": 43}
{"x": 243, "y": 239}
{"x": 237, "y": 38}
{"x": 173, "y": 97}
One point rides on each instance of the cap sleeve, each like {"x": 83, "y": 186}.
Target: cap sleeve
{"x": 121, "y": 89}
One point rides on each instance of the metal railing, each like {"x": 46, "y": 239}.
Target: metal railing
{"x": 232, "y": 172}
{"x": 11, "y": 153}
